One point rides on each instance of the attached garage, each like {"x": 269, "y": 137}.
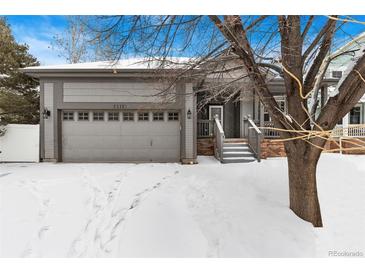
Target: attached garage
{"x": 113, "y": 136}
{"x": 126, "y": 111}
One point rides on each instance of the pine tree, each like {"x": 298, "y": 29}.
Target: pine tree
{"x": 19, "y": 93}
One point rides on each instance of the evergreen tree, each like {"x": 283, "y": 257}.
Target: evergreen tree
{"x": 19, "y": 93}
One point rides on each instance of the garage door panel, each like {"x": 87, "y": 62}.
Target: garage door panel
{"x": 121, "y": 141}
{"x": 150, "y": 128}
{"x": 161, "y": 142}
{"x": 102, "y": 142}
{"x": 85, "y": 128}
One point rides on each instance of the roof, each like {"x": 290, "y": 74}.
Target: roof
{"x": 111, "y": 66}
{"x": 354, "y": 43}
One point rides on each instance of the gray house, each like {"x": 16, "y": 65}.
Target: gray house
{"x": 117, "y": 112}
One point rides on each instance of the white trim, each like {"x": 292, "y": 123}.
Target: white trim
{"x": 216, "y": 106}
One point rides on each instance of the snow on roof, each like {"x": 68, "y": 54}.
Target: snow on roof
{"x": 132, "y": 63}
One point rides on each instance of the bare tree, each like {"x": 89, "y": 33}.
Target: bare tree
{"x": 75, "y": 43}
{"x": 295, "y": 47}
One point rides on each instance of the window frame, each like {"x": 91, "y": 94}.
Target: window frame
{"x": 172, "y": 117}
{"x": 115, "y": 114}
{"x": 98, "y": 117}
{"x": 144, "y": 114}
{"x": 67, "y": 113}
{"x": 158, "y": 116}
{"x": 124, "y": 116}
{"x": 83, "y": 117}
{"x": 279, "y": 101}
{"x": 338, "y": 72}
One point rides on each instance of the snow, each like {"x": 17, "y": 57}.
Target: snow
{"x": 130, "y": 63}
{"x": 173, "y": 210}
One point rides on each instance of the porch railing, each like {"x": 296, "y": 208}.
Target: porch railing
{"x": 254, "y": 136}
{"x": 218, "y": 139}
{"x": 205, "y": 128}
{"x": 351, "y": 131}
{"x": 270, "y": 133}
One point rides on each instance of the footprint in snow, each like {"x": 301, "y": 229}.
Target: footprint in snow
{"x": 26, "y": 253}
{"x": 134, "y": 203}
{"x": 42, "y": 231}
{"x": 5, "y": 174}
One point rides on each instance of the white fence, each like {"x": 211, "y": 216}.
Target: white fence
{"x": 20, "y": 143}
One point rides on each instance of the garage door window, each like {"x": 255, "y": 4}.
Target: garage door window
{"x": 173, "y": 116}
{"x": 143, "y": 116}
{"x": 128, "y": 116}
{"x": 158, "y": 116}
{"x": 68, "y": 116}
{"x": 113, "y": 116}
{"x": 83, "y": 116}
{"x": 98, "y": 116}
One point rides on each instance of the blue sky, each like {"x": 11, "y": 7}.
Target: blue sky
{"x": 39, "y": 31}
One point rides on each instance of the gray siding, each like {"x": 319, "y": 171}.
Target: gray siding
{"x": 146, "y": 92}
{"x": 189, "y": 126}
{"x": 48, "y": 124}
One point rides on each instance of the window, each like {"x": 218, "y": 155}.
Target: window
{"x": 98, "y": 116}
{"x": 173, "y": 116}
{"x": 128, "y": 116}
{"x": 158, "y": 116}
{"x": 337, "y": 74}
{"x": 113, "y": 116}
{"x": 83, "y": 116}
{"x": 68, "y": 115}
{"x": 143, "y": 116}
{"x": 281, "y": 104}
{"x": 355, "y": 115}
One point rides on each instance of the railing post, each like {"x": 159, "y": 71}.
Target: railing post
{"x": 259, "y": 138}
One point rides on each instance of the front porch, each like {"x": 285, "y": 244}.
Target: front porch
{"x": 214, "y": 135}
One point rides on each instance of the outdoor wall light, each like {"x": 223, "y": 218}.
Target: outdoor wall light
{"x": 46, "y": 113}
{"x": 188, "y": 114}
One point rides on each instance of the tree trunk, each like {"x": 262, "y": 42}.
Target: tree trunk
{"x": 302, "y": 166}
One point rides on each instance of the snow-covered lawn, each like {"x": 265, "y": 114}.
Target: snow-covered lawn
{"x": 172, "y": 210}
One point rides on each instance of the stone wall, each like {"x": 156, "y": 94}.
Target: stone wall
{"x": 205, "y": 146}
{"x": 357, "y": 146}
{"x": 272, "y": 148}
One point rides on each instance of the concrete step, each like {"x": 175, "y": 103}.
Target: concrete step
{"x": 235, "y": 140}
{"x": 237, "y": 154}
{"x": 227, "y": 160}
{"x": 237, "y": 148}
{"x": 235, "y": 144}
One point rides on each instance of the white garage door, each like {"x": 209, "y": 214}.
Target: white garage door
{"x": 103, "y": 136}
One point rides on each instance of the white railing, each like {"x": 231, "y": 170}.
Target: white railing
{"x": 205, "y": 128}
{"x": 351, "y": 131}
{"x": 218, "y": 139}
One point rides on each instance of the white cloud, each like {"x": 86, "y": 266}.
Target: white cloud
{"x": 39, "y": 39}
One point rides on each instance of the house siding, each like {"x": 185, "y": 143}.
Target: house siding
{"x": 48, "y": 124}
{"x": 127, "y": 92}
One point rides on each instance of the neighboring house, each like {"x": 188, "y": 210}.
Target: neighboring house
{"x": 337, "y": 69}
{"x": 121, "y": 112}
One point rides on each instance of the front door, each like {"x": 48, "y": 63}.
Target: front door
{"x": 216, "y": 110}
